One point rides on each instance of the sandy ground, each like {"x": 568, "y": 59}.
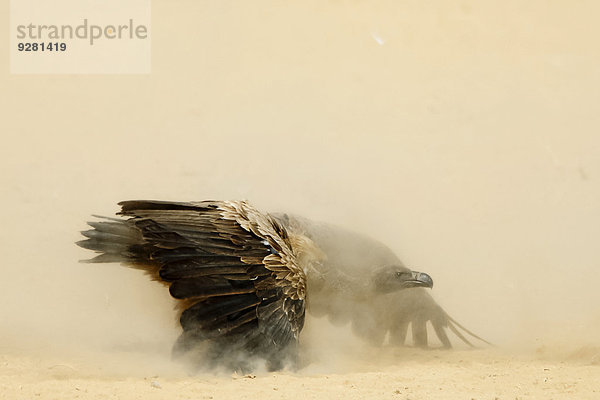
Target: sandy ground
{"x": 463, "y": 134}
{"x": 395, "y": 374}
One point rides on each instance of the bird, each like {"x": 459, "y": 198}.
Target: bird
{"x": 244, "y": 279}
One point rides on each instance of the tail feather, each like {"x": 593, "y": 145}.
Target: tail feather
{"x": 115, "y": 227}
{"x": 104, "y": 246}
{"x": 104, "y": 258}
{"x": 116, "y": 240}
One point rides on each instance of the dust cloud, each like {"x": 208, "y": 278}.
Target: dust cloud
{"x": 462, "y": 135}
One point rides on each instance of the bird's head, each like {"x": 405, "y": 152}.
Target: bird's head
{"x": 392, "y": 278}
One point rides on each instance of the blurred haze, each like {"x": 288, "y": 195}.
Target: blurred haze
{"x": 463, "y": 134}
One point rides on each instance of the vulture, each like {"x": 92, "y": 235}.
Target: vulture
{"x": 244, "y": 279}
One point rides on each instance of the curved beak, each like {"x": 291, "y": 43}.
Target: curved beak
{"x": 419, "y": 279}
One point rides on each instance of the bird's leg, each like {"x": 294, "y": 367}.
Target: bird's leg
{"x": 419, "y": 331}
{"x": 398, "y": 332}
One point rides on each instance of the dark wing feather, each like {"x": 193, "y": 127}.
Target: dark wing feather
{"x": 226, "y": 261}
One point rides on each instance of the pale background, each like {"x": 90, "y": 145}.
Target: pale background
{"x": 464, "y": 134}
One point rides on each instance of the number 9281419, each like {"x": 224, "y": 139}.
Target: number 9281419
{"x": 43, "y": 46}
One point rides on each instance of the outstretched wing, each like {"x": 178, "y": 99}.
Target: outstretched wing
{"x": 350, "y": 258}
{"x": 234, "y": 270}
